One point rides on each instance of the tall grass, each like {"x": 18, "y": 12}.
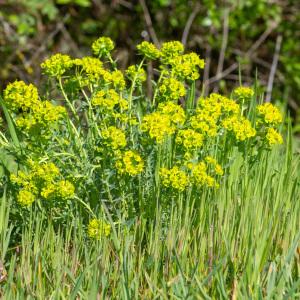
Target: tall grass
{"x": 237, "y": 243}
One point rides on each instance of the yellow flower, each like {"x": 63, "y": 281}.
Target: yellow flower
{"x": 189, "y": 138}
{"x": 57, "y": 65}
{"x": 25, "y": 198}
{"x": 269, "y": 113}
{"x": 133, "y": 73}
{"x": 20, "y": 96}
{"x": 201, "y": 178}
{"x": 65, "y": 189}
{"x": 90, "y": 70}
{"x": 187, "y": 66}
{"x": 158, "y": 126}
{"x": 273, "y": 137}
{"x": 98, "y": 228}
{"x": 171, "y": 89}
{"x": 131, "y": 163}
{"x": 148, "y": 50}
{"x": 240, "y": 126}
{"x": 106, "y": 99}
{"x": 48, "y": 191}
{"x": 103, "y": 46}
{"x": 174, "y": 111}
{"x": 117, "y": 79}
{"x": 243, "y": 93}
{"x": 174, "y": 178}
{"x": 114, "y": 137}
{"x": 169, "y": 50}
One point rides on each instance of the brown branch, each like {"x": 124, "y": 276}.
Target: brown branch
{"x": 273, "y": 68}
{"x": 149, "y": 23}
{"x": 223, "y": 47}
{"x": 189, "y": 23}
{"x": 248, "y": 54}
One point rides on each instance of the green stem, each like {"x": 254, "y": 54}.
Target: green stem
{"x": 67, "y": 99}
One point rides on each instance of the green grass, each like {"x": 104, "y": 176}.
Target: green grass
{"x": 237, "y": 243}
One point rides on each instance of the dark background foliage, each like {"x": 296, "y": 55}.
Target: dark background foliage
{"x": 253, "y": 38}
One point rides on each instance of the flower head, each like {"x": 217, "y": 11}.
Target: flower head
{"x": 174, "y": 178}
{"x": 273, "y": 137}
{"x": 57, "y": 65}
{"x": 98, "y": 228}
{"x": 103, "y": 46}
{"x": 270, "y": 113}
{"x": 148, "y": 50}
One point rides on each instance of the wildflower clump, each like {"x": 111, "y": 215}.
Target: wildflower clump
{"x": 174, "y": 178}
{"x": 98, "y": 228}
{"x": 240, "y": 127}
{"x": 25, "y": 197}
{"x": 57, "y": 65}
{"x": 148, "y": 50}
{"x": 110, "y": 122}
{"x": 103, "y": 46}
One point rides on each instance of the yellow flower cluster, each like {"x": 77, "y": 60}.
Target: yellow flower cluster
{"x": 33, "y": 112}
{"x": 42, "y": 180}
{"x": 133, "y": 73}
{"x": 269, "y": 113}
{"x": 25, "y": 198}
{"x": 163, "y": 123}
{"x": 98, "y": 228}
{"x": 200, "y": 176}
{"x": 117, "y": 79}
{"x": 243, "y": 93}
{"x": 187, "y": 66}
{"x": 174, "y": 178}
{"x": 158, "y": 126}
{"x": 43, "y": 115}
{"x": 217, "y": 167}
{"x": 103, "y": 46}
{"x": 174, "y": 111}
{"x": 169, "y": 50}
{"x": 108, "y": 99}
{"x": 90, "y": 70}
{"x": 240, "y": 126}
{"x": 131, "y": 163}
{"x": 216, "y": 112}
{"x": 273, "y": 137}
{"x": 57, "y": 65}
{"x": 189, "y": 138}
{"x": 171, "y": 89}
{"x": 20, "y": 96}
{"x": 148, "y": 50}
{"x": 114, "y": 137}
